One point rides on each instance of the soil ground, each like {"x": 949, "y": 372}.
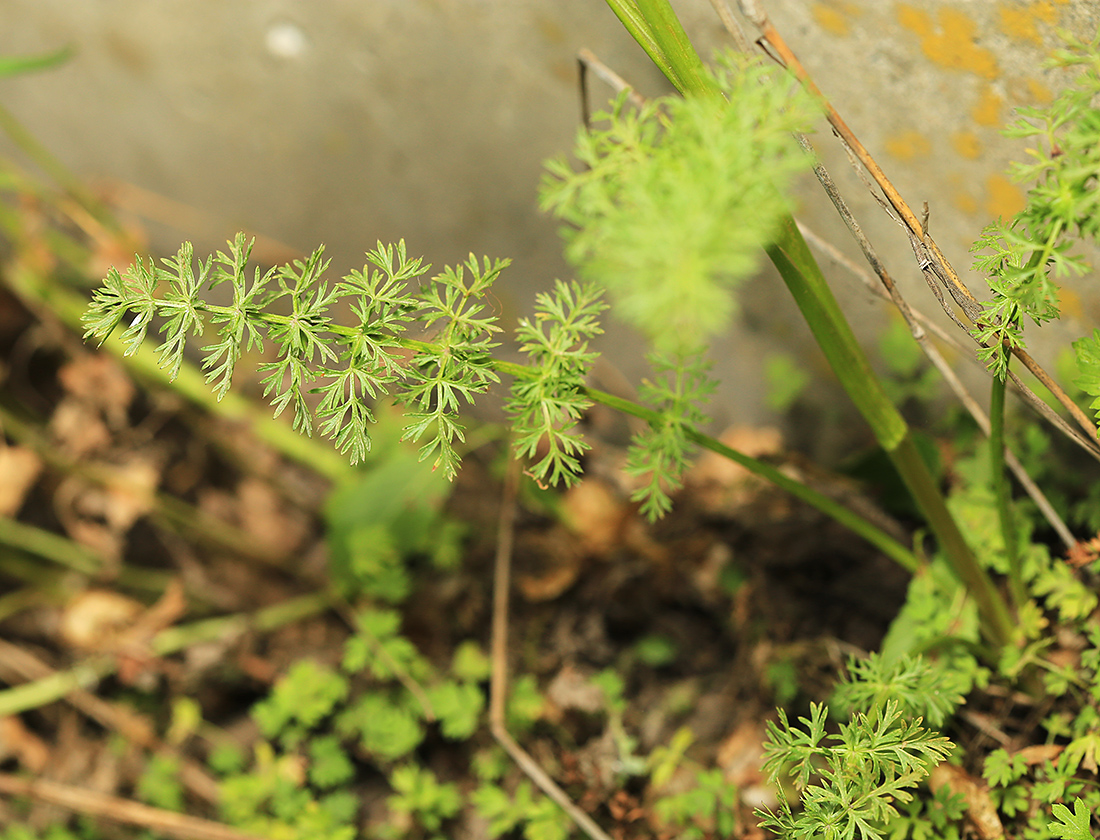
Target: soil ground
{"x": 739, "y": 599}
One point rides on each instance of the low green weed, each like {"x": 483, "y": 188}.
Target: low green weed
{"x": 521, "y": 808}
{"x": 323, "y": 725}
{"x": 708, "y": 808}
{"x": 849, "y": 782}
{"x": 56, "y": 832}
{"x": 420, "y": 799}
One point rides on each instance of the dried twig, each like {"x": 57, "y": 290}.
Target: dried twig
{"x": 588, "y": 60}
{"x": 722, "y": 9}
{"x": 934, "y": 356}
{"x": 23, "y": 665}
{"x": 915, "y": 319}
{"x": 498, "y": 690}
{"x": 937, "y": 269}
{"x": 96, "y": 804}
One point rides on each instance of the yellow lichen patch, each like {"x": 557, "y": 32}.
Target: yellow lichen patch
{"x": 1038, "y": 92}
{"x": 961, "y": 196}
{"x": 1022, "y": 22}
{"x": 833, "y": 17}
{"x": 967, "y": 144}
{"x": 965, "y": 202}
{"x": 908, "y": 145}
{"x": 987, "y": 111}
{"x": 1003, "y": 198}
{"x": 951, "y": 42}
{"x": 1070, "y": 304}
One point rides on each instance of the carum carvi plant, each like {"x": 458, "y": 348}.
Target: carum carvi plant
{"x": 427, "y": 341}
{"x": 350, "y": 366}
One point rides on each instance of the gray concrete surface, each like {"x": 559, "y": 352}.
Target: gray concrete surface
{"x": 349, "y": 121}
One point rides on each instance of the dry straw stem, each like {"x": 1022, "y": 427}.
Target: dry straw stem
{"x": 498, "y": 686}
{"x": 589, "y": 61}
{"x": 88, "y": 672}
{"x": 916, "y": 321}
{"x": 126, "y": 811}
{"x": 933, "y": 277}
{"x": 22, "y": 665}
{"x": 920, "y": 320}
{"x": 932, "y": 260}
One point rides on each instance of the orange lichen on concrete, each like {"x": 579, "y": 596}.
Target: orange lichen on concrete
{"x": 1069, "y": 303}
{"x": 1003, "y": 198}
{"x": 964, "y": 202}
{"x": 967, "y": 144}
{"x": 961, "y": 195}
{"x": 987, "y": 111}
{"x": 908, "y": 145}
{"x": 951, "y": 43}
{"x": 1039, "y": 92}
{"x": 833, "y": 17}
{"x": 1022, "y": 22}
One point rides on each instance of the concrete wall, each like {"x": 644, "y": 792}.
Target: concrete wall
{"x": 348, "y": 121}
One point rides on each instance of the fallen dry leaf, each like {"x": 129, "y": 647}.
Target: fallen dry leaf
{"x": 134, "y": 646}
{"x": 980, "y": 810}
{"x": 99, "y": 516}
{"x": 99, "y": 381}
{"x": 102, "y": 621}
{"x": 719, "y": 483}
{"x": 556, "y": 561}
{"x": 19, "y": 467}
{"x": 168, "y": 609}
{"x": 95, "y": 619}
{"x": 78, "y": 430}
{"x": 1039, "y": 753}
{"x": 596, "y": 515}
{"x": 18, "y": 742}
{"x": 264, "y": 514}
{"x": 1084, "y": 552}
{"x": 572, "y": 688}
{"x": 741, "y": 753}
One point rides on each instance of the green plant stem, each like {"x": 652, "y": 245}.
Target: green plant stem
{"x": 1001, "y": 487}
{"x": 655, "y": 27}
{"x": 86, "y": 674}
{"x": 815, "y": 299}
{"x": 846, "y": 517}
{"x": 49, "y": 546}
{"x": 71, "y": 555}
{"x": 800, "y": 271}
{"x": 14, "y": 65}
{"x": 806, "y": 283}
{"x": 41, "y": 692}
{"x": 16, "y": 601}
